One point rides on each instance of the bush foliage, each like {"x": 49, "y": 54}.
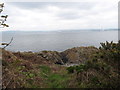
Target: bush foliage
{"x": 102, "y": 70}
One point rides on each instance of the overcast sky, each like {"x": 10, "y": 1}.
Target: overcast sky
{"x": 46, "y": 16}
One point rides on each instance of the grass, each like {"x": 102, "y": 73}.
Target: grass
{"x": 54, "y": 80}
{"x": 44, "y": 71}
{"x": 57, "y": 81}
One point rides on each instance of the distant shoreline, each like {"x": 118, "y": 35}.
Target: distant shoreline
{"x": 58, "y": 30}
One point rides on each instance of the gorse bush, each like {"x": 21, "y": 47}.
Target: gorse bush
{"x": 71, "y": 69}
{"x": 111, "y": 53}
{"x": 102, "y": 70}
{"x": 77, "y": 69}
{"x": 111, "y": 45}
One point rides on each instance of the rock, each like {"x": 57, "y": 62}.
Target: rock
{"x": 74, "y": 55}
{"x": 78, "y": 54}
{"x": 52, "y": 56}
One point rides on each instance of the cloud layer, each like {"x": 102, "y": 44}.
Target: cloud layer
{"x": 61, "y": 15}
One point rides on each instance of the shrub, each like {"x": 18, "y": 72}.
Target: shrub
{"x": 71, "y": 69}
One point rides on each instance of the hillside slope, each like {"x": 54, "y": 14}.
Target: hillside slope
{"x": 97, "y": 68}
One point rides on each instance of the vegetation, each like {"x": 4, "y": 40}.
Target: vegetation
{"x": 3, "y": 17}
{"x": 33, "y": 70}
{"x": 102, "y": 70}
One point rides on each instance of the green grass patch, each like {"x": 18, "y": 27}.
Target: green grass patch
{"x": 57, "y": 81}
{"x": 44, "y": 71}
{"x": 54, "y": 80}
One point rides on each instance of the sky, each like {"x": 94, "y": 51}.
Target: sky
{"x": 49, "y": 16}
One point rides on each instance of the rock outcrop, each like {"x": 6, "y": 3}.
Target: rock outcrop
{"x": 74, "y": 55}
{"x": 54, "y": 56}
{"x": 78, "y": 54}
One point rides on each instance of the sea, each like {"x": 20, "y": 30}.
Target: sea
{"x": 60, "y": 40}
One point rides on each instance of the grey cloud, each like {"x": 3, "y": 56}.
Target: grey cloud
{"x": 32, "y": 5}
{"x": 63, "y": 5}
{"x": 81, "y": 15}
{"x": 76, "y": 5}
{"x": 27, "y": 5}
{"x": 69, "y": 15}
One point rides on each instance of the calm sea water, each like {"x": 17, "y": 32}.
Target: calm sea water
{"x": 55, "y": 40}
